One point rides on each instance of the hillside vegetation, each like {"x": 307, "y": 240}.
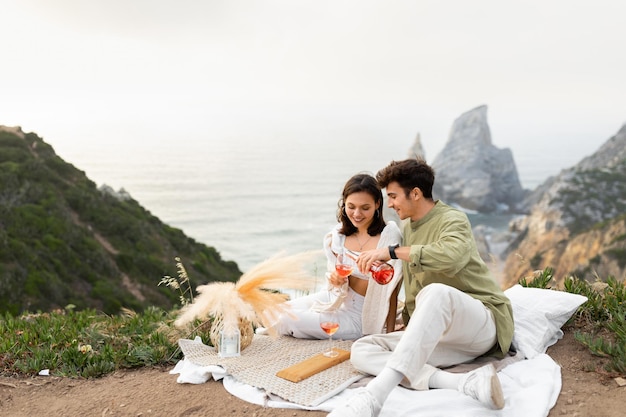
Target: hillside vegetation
{"x": 64, "y": 241}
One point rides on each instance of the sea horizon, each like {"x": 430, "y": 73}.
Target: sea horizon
{"x": 246, "y": 199}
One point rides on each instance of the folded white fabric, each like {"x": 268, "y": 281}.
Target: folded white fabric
{"x": 191, "y": 373}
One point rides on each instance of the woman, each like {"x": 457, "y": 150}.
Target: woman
{"x": 364, "y": 306}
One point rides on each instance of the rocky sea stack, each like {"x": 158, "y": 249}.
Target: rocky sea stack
{"x": 474, "y": 174}
{"x": 574, "y": 223}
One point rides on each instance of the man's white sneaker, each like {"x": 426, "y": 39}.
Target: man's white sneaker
{"x": 361, "y": 404}
{"x": 483, "y": 385}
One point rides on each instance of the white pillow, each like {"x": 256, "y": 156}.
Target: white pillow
{"x": 539, "y": 315}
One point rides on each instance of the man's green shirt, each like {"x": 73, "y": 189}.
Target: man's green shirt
{"x": 443, "y": 250}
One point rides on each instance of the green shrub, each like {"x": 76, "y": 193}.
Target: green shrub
{"x": 601, "y": 320}
{"x": 604, "y": 320}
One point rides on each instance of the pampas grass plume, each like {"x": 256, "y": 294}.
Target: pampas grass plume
{"x": 253, "y": 297}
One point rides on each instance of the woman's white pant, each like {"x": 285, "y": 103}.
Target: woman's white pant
{"x": 303, "y": 323}
{"x": 448, "y": 327}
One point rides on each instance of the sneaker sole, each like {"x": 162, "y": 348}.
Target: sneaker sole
{"x": 497, "y": 398}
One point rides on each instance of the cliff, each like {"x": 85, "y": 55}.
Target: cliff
{"x": 64, "y": 241}
{"x": 474, "y": 174}
{"x": 577, "y": 220}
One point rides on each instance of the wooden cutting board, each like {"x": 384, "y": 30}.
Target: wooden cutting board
{"x": 312, "y": 366}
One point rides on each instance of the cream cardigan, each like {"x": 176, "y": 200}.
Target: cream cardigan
{"x": 376, "y": 304}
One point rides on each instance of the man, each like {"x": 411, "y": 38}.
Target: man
{"x": 454, "y": 313}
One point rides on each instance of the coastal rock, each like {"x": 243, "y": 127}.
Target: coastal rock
{"x": 474, "y": 174}
{"x": 491, "y": 242}
{"x": 417, "y": 150}
{"x": 607, "y": 158}
{"x": 577, "y": 221}
{"x": 121, "y": 195}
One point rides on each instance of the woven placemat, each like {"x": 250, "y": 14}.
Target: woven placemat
{"x": 259, "y": 363}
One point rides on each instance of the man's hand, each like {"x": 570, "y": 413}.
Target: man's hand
{"x": 367, "y": 258}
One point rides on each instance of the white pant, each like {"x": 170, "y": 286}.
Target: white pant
{"x": 303, "y": 323}
{"x": 448, "y": 327}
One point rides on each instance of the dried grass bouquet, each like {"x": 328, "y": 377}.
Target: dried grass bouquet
{"x": 254, "y": 300}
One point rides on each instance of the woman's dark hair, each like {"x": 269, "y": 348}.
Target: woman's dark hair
{"x": 409, "y": 173}
{"x": 367, "y": 184}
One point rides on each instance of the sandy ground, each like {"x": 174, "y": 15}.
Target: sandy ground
{"x": 154, "y": 392}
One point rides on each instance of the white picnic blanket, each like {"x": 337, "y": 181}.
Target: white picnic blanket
{"x": 531, "y": 382}
{"x": 531, "y": 388}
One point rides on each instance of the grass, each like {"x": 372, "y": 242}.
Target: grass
{"x": 83, "y": 344}
{"x": 601, "y": 321}
{"x": 92, "y": 344}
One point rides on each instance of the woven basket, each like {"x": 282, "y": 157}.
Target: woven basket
{"x": 245, "y": 327}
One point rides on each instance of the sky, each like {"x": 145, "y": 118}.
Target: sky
{"x": 123, "y": 72}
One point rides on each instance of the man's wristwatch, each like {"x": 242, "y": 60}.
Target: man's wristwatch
{"x": 392, "y": 251}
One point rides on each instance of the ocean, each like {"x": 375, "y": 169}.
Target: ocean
{"x": 248, "y": 198}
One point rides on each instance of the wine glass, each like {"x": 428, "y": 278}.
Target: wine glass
{"x": 344, "y": 265}
{"x": 329, "y": 322}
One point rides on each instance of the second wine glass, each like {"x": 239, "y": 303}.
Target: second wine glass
{"x": 329, "y": 322}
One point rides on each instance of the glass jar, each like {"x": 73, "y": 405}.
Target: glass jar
{"x": 230, "y": 341}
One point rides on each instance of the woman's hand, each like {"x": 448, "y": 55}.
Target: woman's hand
{"x": 337, "y": 280}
